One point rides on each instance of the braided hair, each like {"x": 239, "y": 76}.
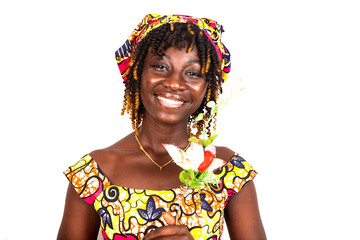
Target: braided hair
{"x": 157, "y": 41}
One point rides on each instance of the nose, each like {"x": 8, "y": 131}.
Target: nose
{"x": 174, "y": 81}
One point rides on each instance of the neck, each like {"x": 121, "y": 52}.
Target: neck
{"x": 155, "y": 135}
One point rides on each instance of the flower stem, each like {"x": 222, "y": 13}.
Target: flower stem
{"x": 184, "y": 190}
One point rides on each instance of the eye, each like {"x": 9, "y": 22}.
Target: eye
{"x": 194, "y": 74}
{"x": 160, "y": 67}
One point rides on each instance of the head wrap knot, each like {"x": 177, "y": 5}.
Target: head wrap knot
{"x": 211, "y": 29}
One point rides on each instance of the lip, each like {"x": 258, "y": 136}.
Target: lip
{"x": 170, "y": 101}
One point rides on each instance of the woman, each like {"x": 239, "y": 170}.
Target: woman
{"x": 172, "y": 66}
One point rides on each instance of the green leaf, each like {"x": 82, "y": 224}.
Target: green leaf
{"x": 199, "y": 117}
{"x": 211, "y": 139}
{"x": 199, "y": 176}
{"x": 206, "y": 173}
{"x": 203, "y": 175}
{"x": 183, "y": 176}
{"x": 194, "y": 184}
{"x": 206, "y": 142}
{"x": 211, "y": 178}
{"x": 192, "y": 139}
{"x": 214, "y": 110}
{"x": 210, "y": 104}
{"x": 191, "y": 173}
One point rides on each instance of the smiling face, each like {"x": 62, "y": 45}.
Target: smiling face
{"x": 159, "y": 41}
{"x": 172, "y": 88}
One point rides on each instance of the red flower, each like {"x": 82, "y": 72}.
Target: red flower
{"x": 208, "y": 159}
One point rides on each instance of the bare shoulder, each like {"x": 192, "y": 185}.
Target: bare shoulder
{"x": 108, "y": 158}
{"x": 224, "y": 153}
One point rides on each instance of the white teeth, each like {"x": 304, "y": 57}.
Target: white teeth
{"x": 170, "y": 101}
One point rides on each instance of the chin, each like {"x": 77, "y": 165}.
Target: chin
{"x": 172, "y": 119}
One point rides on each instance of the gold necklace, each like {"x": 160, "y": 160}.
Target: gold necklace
{"x": 161, "y": 167}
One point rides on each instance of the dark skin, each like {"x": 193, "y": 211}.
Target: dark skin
{"x": 172, "y": 88}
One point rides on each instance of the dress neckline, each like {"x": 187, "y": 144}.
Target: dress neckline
{"x": 151, "y": 190}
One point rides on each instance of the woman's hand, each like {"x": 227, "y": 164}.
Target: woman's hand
{"x": 174, "y": 230}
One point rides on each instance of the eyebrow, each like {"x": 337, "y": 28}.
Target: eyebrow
{"x": 190, "y": 61}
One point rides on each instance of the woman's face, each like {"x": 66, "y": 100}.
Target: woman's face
{"x": 172, "y": 88}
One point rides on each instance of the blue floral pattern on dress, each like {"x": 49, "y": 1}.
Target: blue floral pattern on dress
{"x": 204, "y": 204}
{"x": 237, "y": 161}
{"x": 105, "y": 216}
{"x": 151, "y": 213}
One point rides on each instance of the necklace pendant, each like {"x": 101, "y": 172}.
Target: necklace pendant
{"x": 142, "y": 149}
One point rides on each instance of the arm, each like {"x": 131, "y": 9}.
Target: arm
{"x": 242, "y": 215}
{"x": 80, "y": 220}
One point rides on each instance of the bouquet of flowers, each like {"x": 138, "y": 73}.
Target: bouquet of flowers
{"x": 199, "y": 160}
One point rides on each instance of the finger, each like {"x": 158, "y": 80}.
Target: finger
{"x": 167, "y": 232}
{"x": 170, "y": 220}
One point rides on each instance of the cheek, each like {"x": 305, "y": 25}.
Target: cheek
{"x": 200, "y": 89}
{"x": 147, "y": 86}
{"x": 198, "y": 94}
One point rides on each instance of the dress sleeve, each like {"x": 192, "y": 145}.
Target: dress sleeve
{"x": 86, "y": 178}
{"x": 235, "y": 174}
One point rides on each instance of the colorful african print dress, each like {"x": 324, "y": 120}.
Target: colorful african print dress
{"x": 128, "y": 213}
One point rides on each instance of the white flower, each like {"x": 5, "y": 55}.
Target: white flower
{"x": 193, "y": 157}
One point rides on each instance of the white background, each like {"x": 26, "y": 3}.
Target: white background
{"x": 296, "y": 122}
